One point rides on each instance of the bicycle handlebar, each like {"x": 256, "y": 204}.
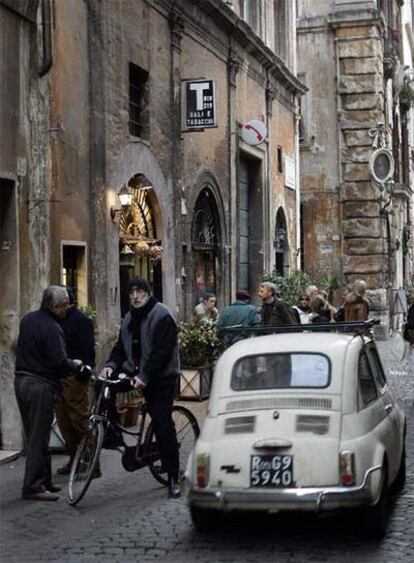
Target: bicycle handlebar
{"x": 122, "y": 384}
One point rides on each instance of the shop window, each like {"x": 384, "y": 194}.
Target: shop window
{"x": 74, "y": 271}
{"x": 204, "y": 237}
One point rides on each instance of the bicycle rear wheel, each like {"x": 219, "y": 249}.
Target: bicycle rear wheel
{"x": 187, "y": 431}
{"x": 85, "y": 463}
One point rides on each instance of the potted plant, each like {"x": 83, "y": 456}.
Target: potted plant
{"x": 199, "y": 348}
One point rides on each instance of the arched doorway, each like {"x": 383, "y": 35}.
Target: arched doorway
{"x": 205, "y": 238}
{"x": 282, "y": 254}
{"x": 140, "y": 249}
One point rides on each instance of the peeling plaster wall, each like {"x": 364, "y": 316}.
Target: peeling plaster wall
{"x": 350, "y": 37}
{"x": 25, "y": 160}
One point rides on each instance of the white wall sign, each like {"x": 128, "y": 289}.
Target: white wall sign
{"x": 254, "y": 132}
{"x": 326, "y": 248}
{"x": 200, "y": 98}
{"x": 290, "y": 172}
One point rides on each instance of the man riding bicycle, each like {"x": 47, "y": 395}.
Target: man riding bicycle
{"x": 148, "y": 346}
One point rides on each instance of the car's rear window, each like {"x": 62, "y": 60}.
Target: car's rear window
{"x": 281, "y": 371}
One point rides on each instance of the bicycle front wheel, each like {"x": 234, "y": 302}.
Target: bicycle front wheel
{"x": 187, "y": 431}
{"x": 85, "y": 465}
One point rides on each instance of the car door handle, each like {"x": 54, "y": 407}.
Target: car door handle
{"x": 388, "y": 408}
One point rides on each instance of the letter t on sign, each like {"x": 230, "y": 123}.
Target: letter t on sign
{"x": 199, "y": 88}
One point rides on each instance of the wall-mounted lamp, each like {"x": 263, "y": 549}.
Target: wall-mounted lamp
{"x": 125, "y": 199}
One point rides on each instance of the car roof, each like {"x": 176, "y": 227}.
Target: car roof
{"x": 317, "y": 342}
{"x": 333, "y": 345}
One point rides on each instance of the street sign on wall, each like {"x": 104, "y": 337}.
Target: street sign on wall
{"x": 200, "y": 104}
{"x": 254, "y": 132}
{"x": 290, "y": 172}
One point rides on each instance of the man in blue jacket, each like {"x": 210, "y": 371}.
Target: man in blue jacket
{"x": 147, "y": 349}
{"x": 41, "y": 364}
{"x": 238, "y": 314}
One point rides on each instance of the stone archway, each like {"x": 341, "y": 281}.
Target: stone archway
{"x": 137, "y": 158}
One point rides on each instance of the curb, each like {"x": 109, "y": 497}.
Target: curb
{"x": 11, "y": 457}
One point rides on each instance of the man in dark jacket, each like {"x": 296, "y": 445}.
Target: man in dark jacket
{"x": 72, "y": 407}
{"x": 41, "y": 364}
{"x": 147, "y": 349}
{"x": 240, "y": 313}
{"x": 274, "y": 312}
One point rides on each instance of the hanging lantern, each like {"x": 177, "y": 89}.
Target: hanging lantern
{"x": 142, "y": 248}
{"x": 155, "y": 252}
{"x": 127, "y": 257}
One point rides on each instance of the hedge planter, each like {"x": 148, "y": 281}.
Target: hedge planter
{"x": 195, "y": 383}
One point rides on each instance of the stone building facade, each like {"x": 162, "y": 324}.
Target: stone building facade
{"x": 351, "y": 57}
{"x": 147, "y": 97}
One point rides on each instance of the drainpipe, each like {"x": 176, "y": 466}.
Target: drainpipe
{"x": 47, "y": 58}
{"x": 339, "y": 148}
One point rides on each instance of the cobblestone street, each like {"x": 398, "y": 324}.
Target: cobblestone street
{"x": 127, "y": 517}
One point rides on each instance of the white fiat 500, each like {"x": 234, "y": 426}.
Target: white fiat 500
{"x": 298, "y": 422}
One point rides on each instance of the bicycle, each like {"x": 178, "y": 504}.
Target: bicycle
{"x": 106, "y": 432}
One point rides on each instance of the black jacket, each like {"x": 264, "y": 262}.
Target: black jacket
{"x": 41, "y": 349}
{"x": 79, "y": 336}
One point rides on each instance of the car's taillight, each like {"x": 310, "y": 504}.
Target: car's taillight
{"x": 202, "y": 469}
{"x": 347, "y": 468}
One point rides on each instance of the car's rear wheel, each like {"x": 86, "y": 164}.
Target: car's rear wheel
{"x": 375, "y": 518}
{"x": 204, "y": 520}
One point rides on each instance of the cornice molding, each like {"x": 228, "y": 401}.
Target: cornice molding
{"x": 240, "y": 32}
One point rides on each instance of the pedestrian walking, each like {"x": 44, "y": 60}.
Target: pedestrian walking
{"x": 72, "y": 407}
{"x": 206, "y": 310}
{"x": 41, "y": 364}
{"x": 240, "y": 314}
{"x": 147, "y": 350}
{"x": 274, "y": 310}
{"x": 356, "y": 304}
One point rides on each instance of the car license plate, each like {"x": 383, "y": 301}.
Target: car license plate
{"x": 271, "y": 471}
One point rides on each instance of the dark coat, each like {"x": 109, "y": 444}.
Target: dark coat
{"x": 148, "y": 345}
{"x": 79, "y": 336}
{"x": 323, "y": 317}
{"x": 276, "y": 313}
{"x": 41, "y": 349}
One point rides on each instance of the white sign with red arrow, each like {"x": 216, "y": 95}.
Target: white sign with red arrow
{"x": 254, "y": 132}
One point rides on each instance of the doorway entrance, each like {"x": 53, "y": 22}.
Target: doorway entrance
{"x": 282, "y": 255}
{"x": 140, "y": 248}
{"x": 204, "y": 241}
